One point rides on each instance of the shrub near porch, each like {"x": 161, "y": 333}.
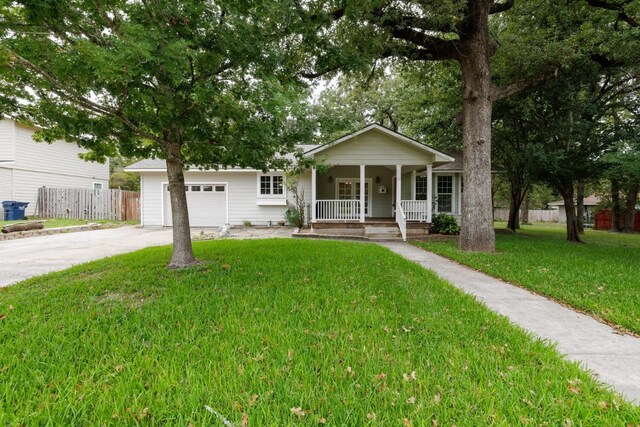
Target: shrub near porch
{"x": 277, "y": 332}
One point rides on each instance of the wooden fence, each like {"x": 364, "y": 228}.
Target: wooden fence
{"x": 604, "y": 220}
{"x": 535, "y": 215}
{"x": 88, "y": 204}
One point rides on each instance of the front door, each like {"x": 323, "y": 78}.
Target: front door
{"x": 349, "y": 189}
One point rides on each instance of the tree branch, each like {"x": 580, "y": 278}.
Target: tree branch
{"x": 501, "y": 92}
{"x": 80, "y": 99}
{"x": 431, "y": 48}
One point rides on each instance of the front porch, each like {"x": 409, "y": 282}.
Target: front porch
{"x": 371, "y": 229}
{"x": 367, "y": 199}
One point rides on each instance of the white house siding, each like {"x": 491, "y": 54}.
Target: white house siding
{"x": 380, "y": 149}
{"x": 59, "y": 158}
{"x": 6, "y": 184}
{"x": 40, "y": 164}
{"x": 7, "y": 136}
{"x": 242, "y": 188}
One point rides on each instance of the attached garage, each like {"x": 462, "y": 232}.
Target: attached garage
{"x": 207, "y": 204}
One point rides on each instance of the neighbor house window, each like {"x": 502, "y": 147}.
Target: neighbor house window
{"x": 445, "y": 193}
{"x": 271, "y": 185}
{"x": 97, "y": 186}
{"x": 421, "y": 187}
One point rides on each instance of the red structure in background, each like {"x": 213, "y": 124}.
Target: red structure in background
{"x": 603, "y": 220}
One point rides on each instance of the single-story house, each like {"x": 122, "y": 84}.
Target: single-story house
{"x": 404, "y": 181}
{"x": 590, "y": 204}
{"x": 26, "y": 165}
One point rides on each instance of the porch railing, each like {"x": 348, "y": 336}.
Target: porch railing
{"x": 340, "y": 210}
{"x": 415, "y": 210}
{"x": 401, "y": 219}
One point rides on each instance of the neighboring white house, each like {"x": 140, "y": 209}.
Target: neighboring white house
{"x": 384, "y": 160}
{"x": 590, "y": 205}
{"x": 26, "y": 165}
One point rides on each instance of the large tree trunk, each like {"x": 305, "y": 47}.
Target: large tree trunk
{"x": 477, "y": 232}
{"x": 615, "y": 206}
{"x": 580, "y": 206}
{"x": 630, "y": 207}
{"x": 182, "y": 251}
{"x": 570, "y": 208}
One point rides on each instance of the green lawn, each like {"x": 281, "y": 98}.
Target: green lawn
{"x": 55, "y": 222}
{"x": 601, "y": 277}
{"x": 288, "y": 332}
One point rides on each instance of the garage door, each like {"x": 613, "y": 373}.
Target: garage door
{"x": 207, "y": 205}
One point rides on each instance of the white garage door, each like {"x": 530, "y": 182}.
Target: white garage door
{"x": 207, "y": 205}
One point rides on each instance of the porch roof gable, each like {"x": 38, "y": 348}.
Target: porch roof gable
{"x": 440, "y": 157}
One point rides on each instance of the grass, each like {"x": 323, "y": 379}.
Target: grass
{"x": 277, "y": 332}
{"x": 56, "y": 222}
{"x": 601, "y": 277}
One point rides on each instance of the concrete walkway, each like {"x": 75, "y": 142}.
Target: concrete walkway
{"x": 613, "y": 358}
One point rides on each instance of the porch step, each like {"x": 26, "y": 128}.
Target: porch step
{"x": 378, "y": 232}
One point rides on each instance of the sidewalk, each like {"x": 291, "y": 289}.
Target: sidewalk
{"x": 613, "y": 358}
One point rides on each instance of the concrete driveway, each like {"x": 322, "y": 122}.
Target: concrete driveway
{"x": 25, "y": 258}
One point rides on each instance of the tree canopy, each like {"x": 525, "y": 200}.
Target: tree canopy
{"x": 198, "y": 83}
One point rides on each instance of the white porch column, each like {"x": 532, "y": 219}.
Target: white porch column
{"x": 313, "y": 194}
{"x": 398, "y": 188}
{"x": 413, "y": 184}
{"x": 362, "y": 193}
{"x": 429, "y": 191}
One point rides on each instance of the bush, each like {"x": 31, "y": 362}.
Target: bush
{"x": 444, "y": 224}
{"x": 294, "y": 217}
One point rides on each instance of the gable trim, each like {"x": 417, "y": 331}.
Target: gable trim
{"x": 440, "y": 156}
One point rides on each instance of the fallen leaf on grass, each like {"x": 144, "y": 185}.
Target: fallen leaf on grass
{"x": 119, "y": 368}
{"x": 407, "y": 422}
{"x": 298, "y": 411}
{"x": 380, "y": 376}
{"x": 372, "y": 416}
{"x": 245, "y": 420}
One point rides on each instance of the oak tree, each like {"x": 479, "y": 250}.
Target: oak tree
{"x": 198, "y": 83}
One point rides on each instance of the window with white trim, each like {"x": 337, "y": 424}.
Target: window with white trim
{"x": 421, "y": 187}
{"x": 444, "y": 192}
{"x": 272, "y": 185}
{"x": 97, "y": 186}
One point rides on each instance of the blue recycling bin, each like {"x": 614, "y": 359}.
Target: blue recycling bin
{"x": 14, "y": 211}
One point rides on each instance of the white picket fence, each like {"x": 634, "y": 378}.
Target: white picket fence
{"x": 88, "y": 204}
{"x": 535, "y": 215}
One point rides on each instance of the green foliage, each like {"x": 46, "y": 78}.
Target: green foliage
{"x": 294, "y": 216}
{"x": 134, "y": 77}
{"x": 420, "y": 101}
{"x": 123, "y": 341}
{"x": 125, "y": 181}
{"x": 443, "y": 223}
{"x": 600, "y": 277}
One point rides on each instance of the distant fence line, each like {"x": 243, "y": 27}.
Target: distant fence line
{"x": 88, "y": 204}
{"x": 535, "y": 215}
